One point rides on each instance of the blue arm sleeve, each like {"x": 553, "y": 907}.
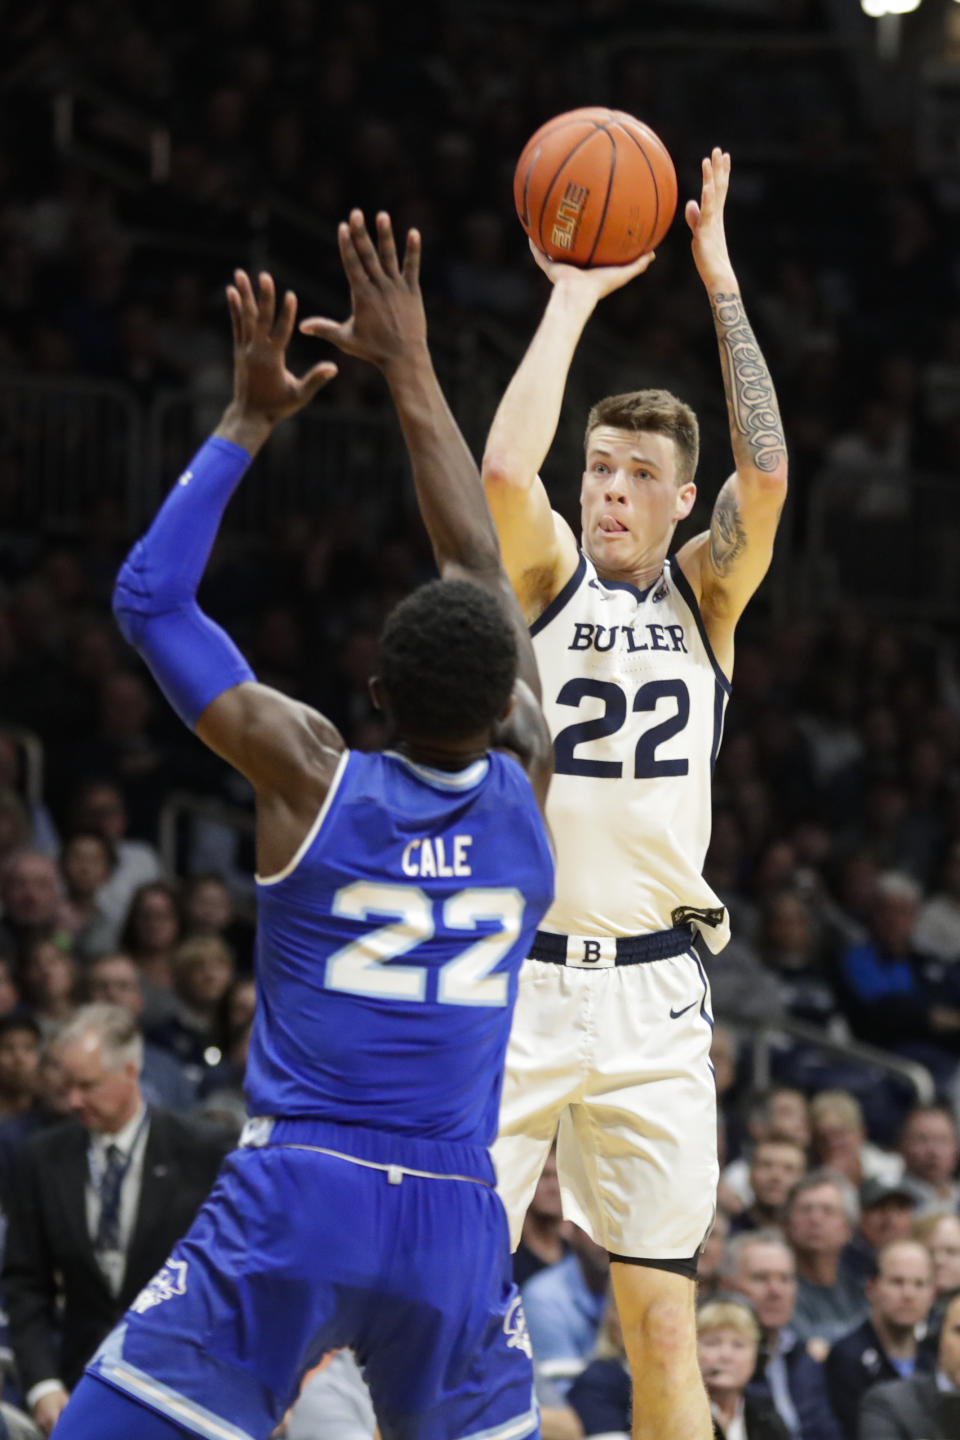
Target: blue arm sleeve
{"x": 155, "y": 597}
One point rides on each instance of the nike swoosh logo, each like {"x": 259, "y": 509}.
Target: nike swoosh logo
{"x": 675, "y": 1014}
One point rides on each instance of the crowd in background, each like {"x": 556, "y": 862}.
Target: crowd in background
{"x": 836, "y": 837}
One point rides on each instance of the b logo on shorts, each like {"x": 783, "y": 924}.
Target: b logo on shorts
{"x": 169, "y": 1281}
{"x": 589, "y": 952}
{"x": 515, "y": 1328}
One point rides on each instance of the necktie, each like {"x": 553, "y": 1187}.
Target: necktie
{"x": 108, "y": 1231}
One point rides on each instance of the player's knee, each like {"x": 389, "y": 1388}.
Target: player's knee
{"x": 662, "y": 1335}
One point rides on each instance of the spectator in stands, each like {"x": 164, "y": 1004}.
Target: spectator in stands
{"x": 600, "y": 1396}
{"x": 49, "y": 1105}
{"x": 728, "y": 1340}
{"x": 937, "y": 931}
{"x": 334, "y": 1404}
{"x": 16, "y": 831}
{"x": 790, "y": 947}
{"x": 208, "y": 910}
{"x": 893, "y": 995}
{"x": 840, "y": 1140}
{"x": 777, "y": 1164}
{"x": 150, "y": 937}
{"x": 782, "y": 1110}
{"x": 127, "y": 748}
{"x": 761, "y": 1266}
{"x": 543, "y": 1239}
{"x": 221, "y": 1085}
{"x": 19, "y": 1060}
{"x": 32, "y": 907}
{"x": 86, "y": 865}
{"x": 741, "y": 985}
{"x": 50, "y": 984}
{"x": 821, "y": 1215}
{"x": 924, "y": 1405}
{"x": 99, "y": 807}
{"x": 940, "y": 1232}
{"x": 202, "y": 975}
{"x": 115, "y": 980}
{"x": 886, "y": 1214}
{"x": 564, "y": 1305}
{"x": 97, "y": 1204}
{"x": 40, "y": 831}
{"x": 885, "y": 1345}
{"x": 9, "y": 993}
{"x": 710, "y": 1265}
{"x": 930, "y": 1150}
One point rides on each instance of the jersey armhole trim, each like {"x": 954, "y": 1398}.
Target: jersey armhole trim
{"x": 561, "y": 598}
{"x": 684, "y": 589}
{"x": 314, "y": 830}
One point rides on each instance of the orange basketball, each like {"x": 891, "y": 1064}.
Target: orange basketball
{"x": 595, "y": 187}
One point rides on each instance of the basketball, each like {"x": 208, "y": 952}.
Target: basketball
{"x": 595, "y": 187}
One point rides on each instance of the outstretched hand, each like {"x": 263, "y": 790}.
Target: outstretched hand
{"x": 387, "y": 318}
{"x": 706, "y": 221}
{"x": 597, "y": 280}
{"x": 264, "y": 390}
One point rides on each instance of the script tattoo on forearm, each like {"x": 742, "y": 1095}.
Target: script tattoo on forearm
{"x": 751, "y": 400}
{"x": 728, "y": 539}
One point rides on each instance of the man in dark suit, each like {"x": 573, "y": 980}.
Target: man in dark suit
{"x": 926, "y": 1407}
{"x": 760, "y": 1265}
{"x": 96, "y": 1205}
{"x": 885, "y": 1346}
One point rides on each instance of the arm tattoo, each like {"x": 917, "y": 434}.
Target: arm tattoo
{"x": 728, "y": 539}
{"x": 751, "y": 401}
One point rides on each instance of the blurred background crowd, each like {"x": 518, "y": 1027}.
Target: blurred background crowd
{"x": 145, "y": 151}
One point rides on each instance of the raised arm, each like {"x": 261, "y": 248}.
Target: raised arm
{"x": 726, "y": 564}
{"x": 539, "y": 550}
{"x": 287, "y": 751}
{"x": 388, "y": 327}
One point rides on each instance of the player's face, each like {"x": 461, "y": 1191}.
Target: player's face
{"x": 629, "y": 499}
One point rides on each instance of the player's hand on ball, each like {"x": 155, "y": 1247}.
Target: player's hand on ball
{"x": 388, "y": 318}
{"x": 264, "y": 390}
{"x": 598, "y": 280}
{"x": 706, "y": 221}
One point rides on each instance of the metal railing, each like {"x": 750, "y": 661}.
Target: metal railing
{"x": 31, "y": 749}
{"x": 766, "y": 1036}
{"x": 182, "y": 807}
{"x": 72, "y": 445}
{"x": 320, "y": 461}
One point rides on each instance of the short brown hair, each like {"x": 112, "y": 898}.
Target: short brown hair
{"x": 655, "y": 410}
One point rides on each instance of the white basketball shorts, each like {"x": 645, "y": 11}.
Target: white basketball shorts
{"x": 615, "y": 1062}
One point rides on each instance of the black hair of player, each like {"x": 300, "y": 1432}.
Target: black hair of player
{"x": 448, "y": 661}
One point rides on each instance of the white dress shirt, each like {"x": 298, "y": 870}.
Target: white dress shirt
{"x": 737, "y": 1429}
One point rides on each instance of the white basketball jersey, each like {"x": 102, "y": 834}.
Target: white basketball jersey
{"x": 635, "y": 702}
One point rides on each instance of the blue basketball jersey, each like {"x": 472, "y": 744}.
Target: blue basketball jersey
{"x": 388, "y": 949}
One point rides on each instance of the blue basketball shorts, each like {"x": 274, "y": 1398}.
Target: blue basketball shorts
{"x": 297, "y": 1252}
